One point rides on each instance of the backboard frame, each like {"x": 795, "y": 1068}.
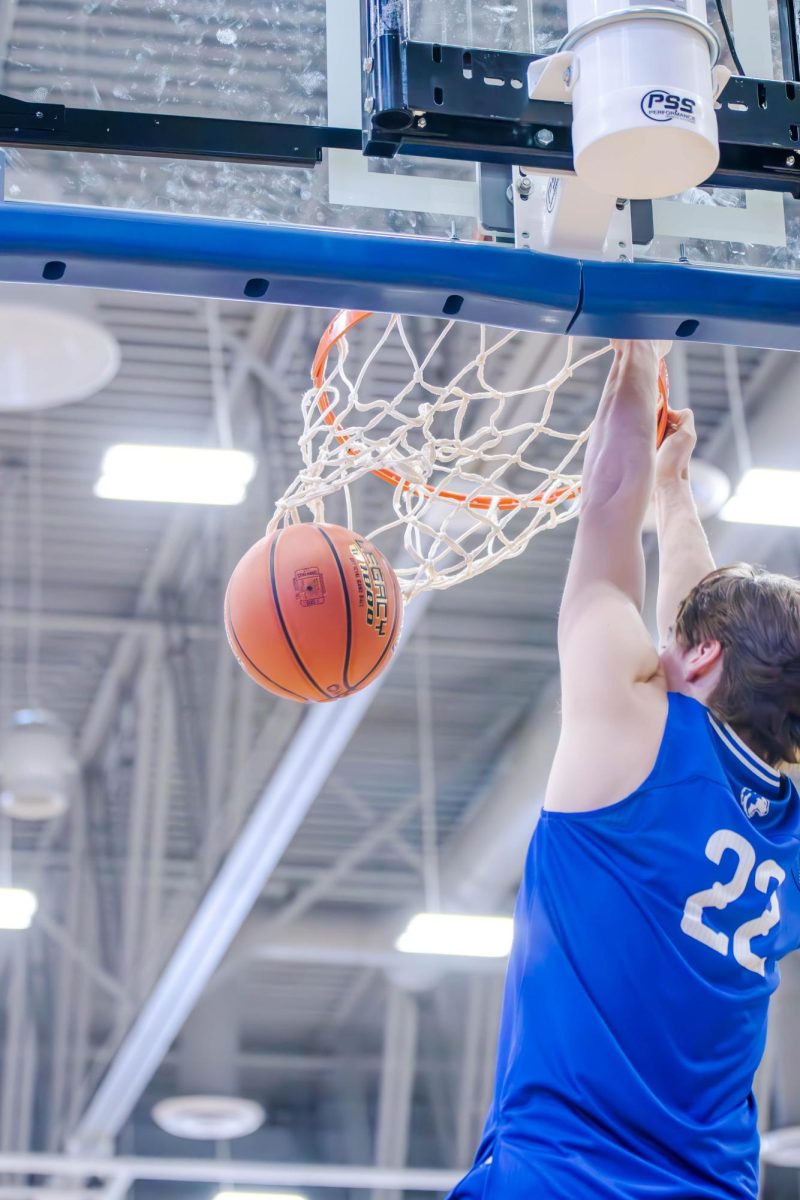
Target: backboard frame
{"x": 475, "y": 282}
{"x": 759, "y": 128}
{"x": 759, "y": 125}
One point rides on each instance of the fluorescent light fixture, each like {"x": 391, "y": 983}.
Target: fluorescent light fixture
{"x": 228, "y": 1195}
{"x": 459, "y": 934}
{"x": 765, "y": 497}
{"x": 17, "y": 908}
{"x": 175, "y": 474}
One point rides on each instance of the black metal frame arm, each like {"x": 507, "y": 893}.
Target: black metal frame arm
{"x": 422, "y": 99}
{"x": 99, "y": 131}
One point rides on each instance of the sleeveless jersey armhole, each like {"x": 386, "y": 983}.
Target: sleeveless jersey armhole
{"x": 679, "y": 755}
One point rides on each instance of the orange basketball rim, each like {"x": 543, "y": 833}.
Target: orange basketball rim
{"x": 343, "y": 323}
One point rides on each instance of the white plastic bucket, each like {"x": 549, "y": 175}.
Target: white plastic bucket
{"x": 644, "y": 124}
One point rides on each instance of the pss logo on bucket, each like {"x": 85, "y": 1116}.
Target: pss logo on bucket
{"x": 659, "y": 105}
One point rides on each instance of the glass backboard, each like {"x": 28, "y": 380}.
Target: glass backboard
{"x": 300, "y": 61}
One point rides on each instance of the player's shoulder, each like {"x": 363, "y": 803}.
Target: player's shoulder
{"x": 605, "y": 653}
{"x": 608, "y": 750}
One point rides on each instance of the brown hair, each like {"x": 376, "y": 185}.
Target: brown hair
{"x": 755, "y": 616}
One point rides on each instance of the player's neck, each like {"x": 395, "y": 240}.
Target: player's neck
{"x": 702, "y": 690}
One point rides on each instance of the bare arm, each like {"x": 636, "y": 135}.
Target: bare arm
{"x": 610, "y": 708}
{"x": 684, "y": 553}
{"x": 607, "y": 564}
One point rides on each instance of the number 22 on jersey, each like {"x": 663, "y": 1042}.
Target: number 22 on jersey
{"x": 723, "y": 893}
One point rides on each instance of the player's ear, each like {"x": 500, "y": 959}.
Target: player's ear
{"x": 701, "y": 659}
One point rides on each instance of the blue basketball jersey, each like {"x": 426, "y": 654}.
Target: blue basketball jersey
{"x": 635, "y": 1010}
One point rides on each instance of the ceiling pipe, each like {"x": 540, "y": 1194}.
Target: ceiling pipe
{"x": 229, "y": 1171}
{"x": 335, "y": 942}
{"x": 483, "y": 863}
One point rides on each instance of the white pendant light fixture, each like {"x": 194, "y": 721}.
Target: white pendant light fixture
{"x": 37, "y": 766}
{"x": 53, "y": 348}
{"x": 209, "y": 1118}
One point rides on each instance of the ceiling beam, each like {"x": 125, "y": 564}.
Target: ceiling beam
{"x": 230, "y": 1171}
{"x": 17, "y": 1192}
{"x": 338, "y": 942}
{"x": 96, "y": 625}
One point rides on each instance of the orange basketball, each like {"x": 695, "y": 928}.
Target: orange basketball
{"x": 313, "y": 612}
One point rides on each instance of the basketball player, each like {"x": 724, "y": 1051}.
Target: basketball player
{"x": 658, "y": 883}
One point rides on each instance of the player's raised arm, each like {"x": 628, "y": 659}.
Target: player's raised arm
{"x": 600, "y": 624}
{"x": 613, "y": 698}
{"x": 684, "y": 553}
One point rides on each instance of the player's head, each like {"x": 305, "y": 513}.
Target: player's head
{"x": 740, "y": 630}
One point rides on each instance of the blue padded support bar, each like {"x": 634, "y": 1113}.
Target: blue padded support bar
{"x": 697, "y": 303}
{"x": 146, "y": 252}
{"x": 477, "y": 282}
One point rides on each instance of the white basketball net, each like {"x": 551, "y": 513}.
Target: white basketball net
{"x": 499, "y": 453}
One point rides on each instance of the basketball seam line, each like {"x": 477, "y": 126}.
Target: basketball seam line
{"x": 256, "y": 668}
{"x": 398, "y": 608}
{"x": 346, "y": 595}
{"x": 286, "y": 634}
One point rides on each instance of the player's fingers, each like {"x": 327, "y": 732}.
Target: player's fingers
{"x": 687, "y": 421}
{"x": 682, "y": 418}
{"x": 680, "y": 426}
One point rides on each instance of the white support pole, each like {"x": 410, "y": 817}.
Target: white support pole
{"x": 84, "y": 995}
{"x": 397, "y": 1085}
{"x": 153, "y": 931}
{"x": 16, "y": 1021}
{"x": 230, "y": 1171}
{"x": 26, "y": 1097}
{"x": 147, "y": 695}
{"x": 495, "y": 990}
{"x": 219, "y": 733}
{"x": 244, "y": 753}
{"x": 66, "y": 971}
{"x": 468, "y": 1100}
